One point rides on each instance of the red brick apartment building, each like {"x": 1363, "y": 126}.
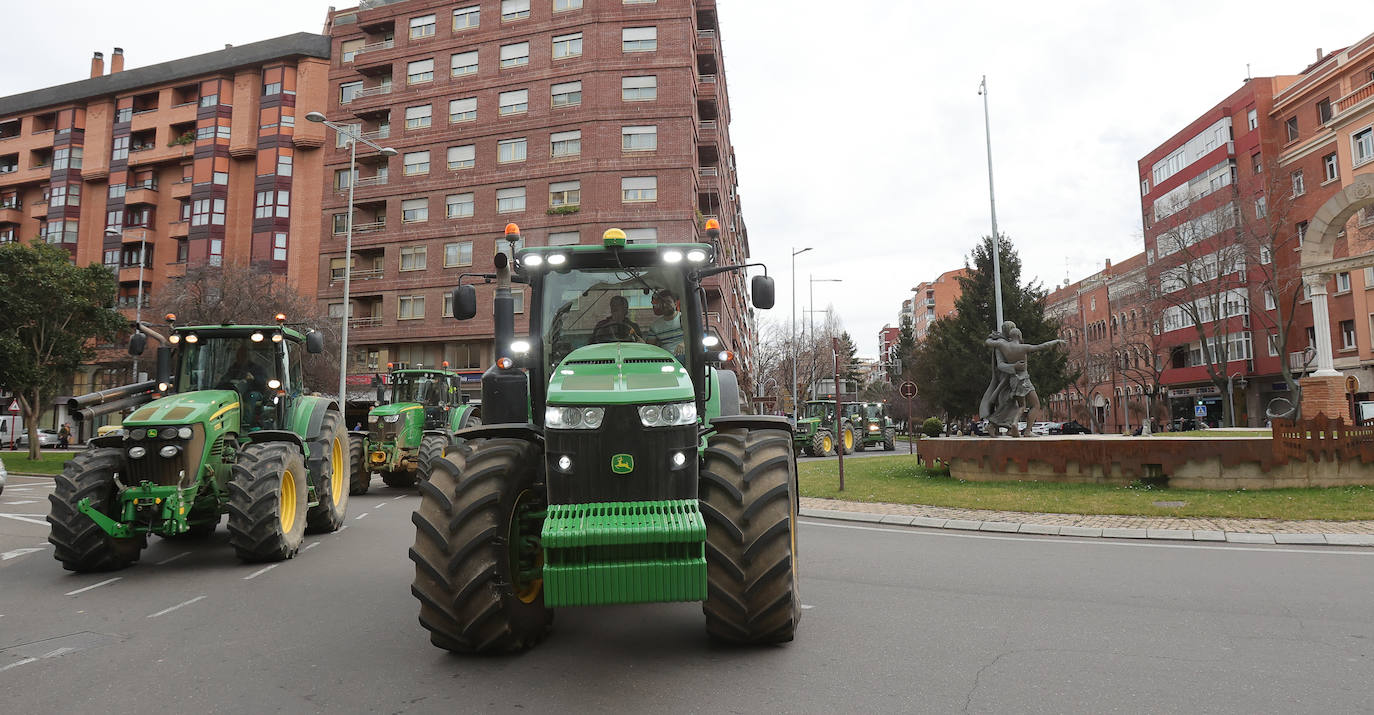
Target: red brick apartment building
{"x": 567, "y": 117}
{"x": 935, "y": 299}
{"x": 198, "y": 160}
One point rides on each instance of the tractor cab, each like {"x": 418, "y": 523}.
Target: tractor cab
{"x": 436, "y": 391}
{"x": 260, "y": 363}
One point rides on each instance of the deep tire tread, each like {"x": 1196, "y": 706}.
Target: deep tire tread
{"x": 327, "y": 516}
{"x": 255, "y": 530}
{"x": 78, "y": 542}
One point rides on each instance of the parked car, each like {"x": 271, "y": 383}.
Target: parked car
{"x": 1042, "y": 428}
{"x": 980, "y": 428}
{"x": 1070, "y": 427}
{"x": 3, "y": 476}
{"x": 46, "y": 438}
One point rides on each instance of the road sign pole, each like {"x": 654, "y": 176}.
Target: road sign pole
{"x": 910, "y": 428}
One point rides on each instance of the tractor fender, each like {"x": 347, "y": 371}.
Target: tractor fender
{"x": 753, "y": 422}
{"x": 274, "y": 435}
{"x": 317, "y": 412}
{"x": 436, "y": 432}
{"x": 515, "y": 430}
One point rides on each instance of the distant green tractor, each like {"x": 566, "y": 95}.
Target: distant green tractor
{"x": 871, "y": 425}
{"x": 233, "y": 431}
{"x": 814, "y": 432}
{"x": 405, "y": 435}
{"x": 612, "y": 466}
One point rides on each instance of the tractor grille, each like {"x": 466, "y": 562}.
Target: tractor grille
{"x": 642, "y": 361}
{"x": 165, "y": 471}
{"x": 654, "y": 476}
{"x": 600, "y": 361}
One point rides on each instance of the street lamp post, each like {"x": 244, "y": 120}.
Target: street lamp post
{"x": 992, "y": 202}
{"x": 142, "y": 259}
{"x": 811, "y": 312}
{"x": 353, "y": 134}
{"x": 793, "y": 326}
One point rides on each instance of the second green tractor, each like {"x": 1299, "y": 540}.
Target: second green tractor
{"x": 405, "y": 434}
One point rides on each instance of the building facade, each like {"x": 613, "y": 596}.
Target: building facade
{"x": 197, "y": 161}
{"x": 935, "y": 299}
{"x": 564, "y": 117}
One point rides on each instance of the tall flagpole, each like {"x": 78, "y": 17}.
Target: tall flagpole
{"x": 992, "y": 202}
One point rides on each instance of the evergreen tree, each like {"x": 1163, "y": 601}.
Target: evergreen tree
{"x": 849, "y": 361}
{"x": 952, "y": 367}
{"x": 906, "y": 350}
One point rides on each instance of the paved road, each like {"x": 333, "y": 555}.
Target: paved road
{"x": 897, "y": 620}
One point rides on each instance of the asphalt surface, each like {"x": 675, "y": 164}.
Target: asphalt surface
{"x": 897, "y": 619}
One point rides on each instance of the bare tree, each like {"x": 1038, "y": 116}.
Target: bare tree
{"x": 815, "y": 356}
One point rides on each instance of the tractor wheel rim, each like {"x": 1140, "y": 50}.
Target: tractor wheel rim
{"x": 336, "y": 474}
{"x": 288, "y": 501}
{"x": 526, "y": 591}
{"x": 848, "y": 439}
{"x": 827, "y": 443}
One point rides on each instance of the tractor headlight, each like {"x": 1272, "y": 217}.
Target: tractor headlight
{"x": 372, "y": 418}
{"x": 573, "y": 417}
{"x": 184, "y": 433}
{"x": 669, "y": 415}
{"x": 873, "y": 428}
{"x": 169, "y": 451}
{"x": 696, "y": 255}
{"x": 137, "y": 452}
{"x": 138, "y": 434}
{"x": 390, "y": 418}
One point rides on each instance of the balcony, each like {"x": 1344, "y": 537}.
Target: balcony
{"x": 375, "y": 47}
{"x": 706, "y": 40}
{"x": 378, "y": 180}
{"x": 1298, "y": 361}
{"x": 1350, "y": 100}
{"x": 372, "y": 321}
{"x": 381, "y": 132}
{"x": 10, "y": 213}
{"x": 182, "y": 189}
{"x": 38, "y": 209}
{"x": 336, "y": 275}
{"x": 378, "y": 91}
{"x": 179, "y": 229}
{"x": 369, "y": 227}
{"x": 129, "y": 274}
{"x": 706, "y": 87}
{"x": 707, "y": 132}
{"x": 136, "y": 234}
{"x": 144, "y": 193}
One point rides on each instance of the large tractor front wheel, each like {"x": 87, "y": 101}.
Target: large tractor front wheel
{"x": 431, "y": 448}
{"x": 889, "y": 439}
{"x": 749, "y": 502}
{"x": 330, "y": 474}
{"x": 822, "y": 444}
{"x": 359, "y": 474}
{"x": 78, "y": 542}
{"x": 476, "y": 553}
{"x": 267, "y": 502}
{"x": 846, "y": 441}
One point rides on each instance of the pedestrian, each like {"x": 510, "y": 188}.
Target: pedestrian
{"x": 64, "y": 436}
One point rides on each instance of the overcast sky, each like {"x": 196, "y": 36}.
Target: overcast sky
{"x": 858, "y": 129}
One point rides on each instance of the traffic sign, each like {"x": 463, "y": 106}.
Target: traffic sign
{"x": 908, "y": 389}
{"x": 14, "y": 407}
{"x": 1200, "y": 410}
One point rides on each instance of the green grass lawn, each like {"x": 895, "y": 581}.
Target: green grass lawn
{"x": 48, "y": 462}
{"x": 1217, "y": 433}
{"x": 901, "y": 479}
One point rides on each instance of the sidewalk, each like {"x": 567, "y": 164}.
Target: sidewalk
{"x": 1243, "y": 531}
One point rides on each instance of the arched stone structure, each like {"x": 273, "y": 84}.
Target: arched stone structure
{"x": 1323, "y": 391}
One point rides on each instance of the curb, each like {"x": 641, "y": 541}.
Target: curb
{"x": 1234, "y": 537}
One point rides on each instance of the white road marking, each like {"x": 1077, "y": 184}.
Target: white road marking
{"x": 171, "y": 559}
{"x": 106, "y": 582}
{"x": 260, "y": 572}
{"x": 17, "y": 503}
{"x": 360, "y": 516}
{"x": 18, "y": 663}
{"x": 60, "y": 651}
{"x": 173, "y": 608}
{"x": 806, "y": 607}
{"x": 379, "y": 506}
{"x": 399, "y": 497}
{"x": 311, "y": 545}
{"x": 25, "y": 518}
{"x": 345, "y": 526}
{"x": 18, "y": 552}
{"x": 1139, "y": 543}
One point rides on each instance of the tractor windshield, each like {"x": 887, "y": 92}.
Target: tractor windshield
{"x": 607, "y": 305}
{"x": 421, "y": 388}
{"x": 229, "y": 363}
{"x": 873, "y": 412}
{"x": 822, "y": 410}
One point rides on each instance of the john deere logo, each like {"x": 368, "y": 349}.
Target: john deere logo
{"x": 622, "y": 464}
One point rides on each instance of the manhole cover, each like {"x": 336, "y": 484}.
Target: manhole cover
{"x": 1171, "y": 504}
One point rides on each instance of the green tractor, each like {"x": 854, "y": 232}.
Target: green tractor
{"x": 814, "y": 433}
{"x": 612, "y": 466}
{"x": 231, "y": 431}
{"x": 871, "y": 425}
{"x": 405, "y": 435}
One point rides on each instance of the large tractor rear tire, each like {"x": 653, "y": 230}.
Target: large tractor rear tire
{"x": 78, "y": 542}
{"x": 748, "y": 499}
{"x": 822, "y": 444}
{"x": 330, "y": 474}
{"x": 472, "y": 546}
{"x": 889, "y": 439}
{"x": 431, "y": 448}
{"x": 400, "y": 479}
{"x": 359, "y": 474}
{"x": 846, "y": 440}
{"x": 267, "y": 502}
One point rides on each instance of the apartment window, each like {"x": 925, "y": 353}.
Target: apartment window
{"x": 1299, "y": 188}
{"x": 1324, "y": 111}
{"x": 209, "y": 100}
{"x": 510, "y": 200}
{"x": 1292, "y": 126}
{"x": 464, "y": 63}
{"x": 462, "y": 110}
{"x": 1330, "y": 169}
{"x": 517, "y": 295}
{"x": 422, "y": 26}
{"x": 341, "y": 136}
{"x": 561, "y": 5}
{"x": 1362, "y": 146}
{"x": 416, "y": 162}
{"x": 119, "y": 149}
{"x": 458, "y": 253}
{"x": 420, "y": 71}
{"x": 279, "y": 246}
{"x": 114, "y": 220}
{"x": 1347, "y": 335}
{"x": 641, "y": 235}
{"x": 66, "y": 158}
{"x": 565, "y": 193}
{"x": 466, "y": 18}
{"x": 503, "y": 246}
{"x": 410, "y": 307}
{"x": 462, "y": 157}
{"x": 341, "y": 177}
{"x": 63, "y": 195}
{"x": 1269, "y": 302}
{"x": 564, "y": 238}
{"x": 567, "y": 45}
{"x": 418, "y": 117}
{"x": 413, "y": 258}
{"x": 639, "y": 39}
{"x": 638, "y": 188}
{"x": 509, "y": 150}
{"x": 207, "y": 212}
{"x": 1252, "y": 119}
{"x": 639, "y": 89}
{"x": 514, "y": 9}
{"x": 271, "y": 88}
{"x": 414, "y": 210}
{"x": 1145, "y": 187}
{"x": 272, "y": 203}
{"x": 641, "y": 138}
{"x": 515, "y": 55}
{"x": 1302, "y": 232}
{"x": 448, "y": 306}
{"x": 340, "y": 223}
{"x": 515, "y": 102}
{"x": 1256, "y": 163}
{"x": 566, "y": 94}
{"x": 348, "y": 91}
{"x": 1266, "y": 256}
{"x": 126, "y": 114}
{"x": 1261, "y": 209}
{"x": 458, "y": 206}
{"x": 1342, "y": 282}
{"x": 350, "y": 49}
{"x": 563, "y": 145}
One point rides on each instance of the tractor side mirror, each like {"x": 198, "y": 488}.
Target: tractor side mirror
{"x": 762, "y": 288}
{"x": 464, "y": 302}
{"x": 314, "y": 342}
{"x": 137, "y": 342}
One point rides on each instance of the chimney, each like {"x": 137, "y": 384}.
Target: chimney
{"x": 98, "y": 64}
{"x": 1109, "y": 266}
{"x": 1319, "y": 54}
{"x": 117, "y": 60}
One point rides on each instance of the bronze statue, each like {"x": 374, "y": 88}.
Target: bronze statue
{"x": 1010, "y": 397}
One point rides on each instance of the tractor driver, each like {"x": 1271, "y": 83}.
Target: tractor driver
{"x": 242, "y": 369}
{"x": 666, "y": 330}
{"x": 617, "y": 328}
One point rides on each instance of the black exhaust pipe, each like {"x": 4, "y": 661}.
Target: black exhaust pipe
{"x": 114, "y": 393}
{"x": 105, "y": 408}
